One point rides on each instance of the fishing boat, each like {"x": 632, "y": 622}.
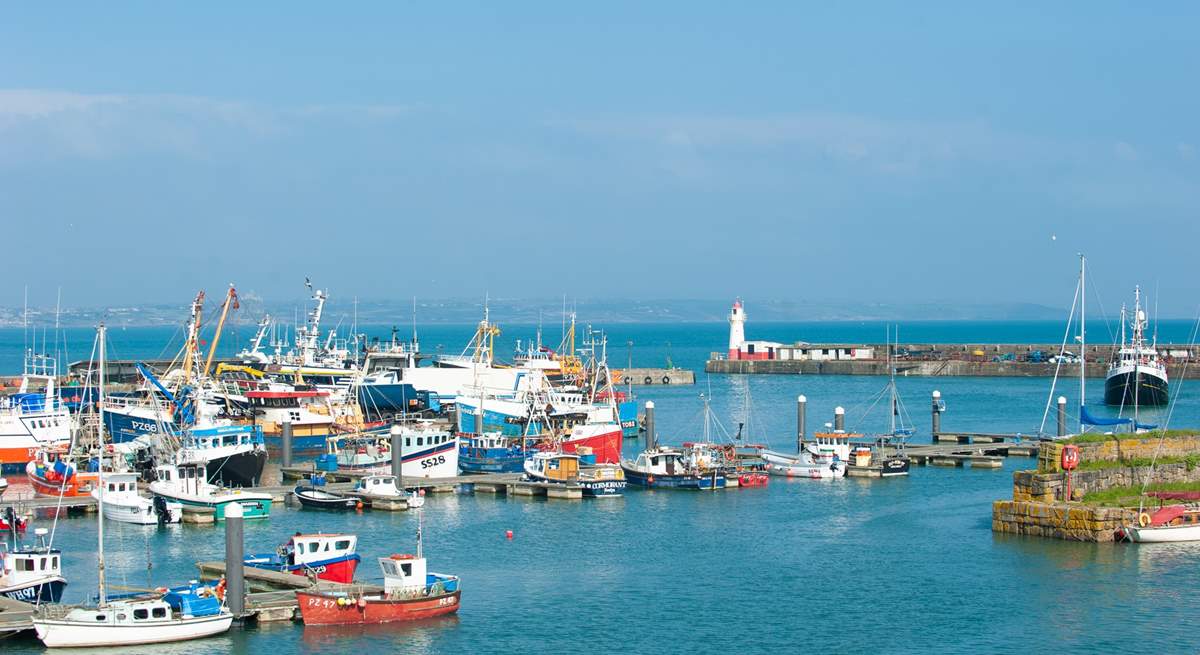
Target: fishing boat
{"x": 805, "y": 464}
{"x": 316, "y": 498}
{"x": 1136, "y": 376}
{"x": 665, "y": 467}
{"x": 32, "y": 574}
{"x": 387, "y": 487}
{"x": 123, "y": 504}
{"x": 322, "y": 556}
{"x": 491, "y": 452}
{"x": 233, "y": 455}
{"x": 410, "y": 592}
{"x": 51, "y": 473}
{"x": 188, "y": 484}
{"x": 33, "y": 419}
{"x": 426, "y": 451}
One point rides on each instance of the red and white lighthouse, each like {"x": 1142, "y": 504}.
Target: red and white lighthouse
{"x": 737, "y": 328}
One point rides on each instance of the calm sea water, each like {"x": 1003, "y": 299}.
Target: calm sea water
{"x": 897, "y": 566}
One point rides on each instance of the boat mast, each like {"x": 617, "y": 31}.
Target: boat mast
{"x": 1082, "y": 336}
{"x": 230, "y": 299}
{"x": 100, "y": 496}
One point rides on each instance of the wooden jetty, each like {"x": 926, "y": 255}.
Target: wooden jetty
{"x": 272, "y": 594}
{"x": 15, "y": 616}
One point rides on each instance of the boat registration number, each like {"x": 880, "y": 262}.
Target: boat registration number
{"x": 144, "y": 426}
{"x": 28, "y": 593}
{"x": 448, "y": 600}
{"x": 433, "y": 461}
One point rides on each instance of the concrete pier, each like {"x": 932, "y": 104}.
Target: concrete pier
{"x": 651, "y": 376}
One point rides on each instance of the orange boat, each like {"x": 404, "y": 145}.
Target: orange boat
{"x": 51, "y": 474}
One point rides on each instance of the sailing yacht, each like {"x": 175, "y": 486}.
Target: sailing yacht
{"x": 1136, "y": 376}
{"x": 180, "y": 614}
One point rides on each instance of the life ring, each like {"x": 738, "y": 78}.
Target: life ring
{"x": 220, "y": 590}
{"x": 1143, "y": 520}
{"x": 666, "y": 379}
{"x": 648, "y": 380}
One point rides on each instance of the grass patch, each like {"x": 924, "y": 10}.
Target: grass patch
{"x": 1130, "y": 496}
{"x": 1192, "y": 462}
{"x": 1153, "y": 434}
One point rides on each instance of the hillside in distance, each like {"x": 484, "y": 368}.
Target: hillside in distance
{"x": 343, "y": 312}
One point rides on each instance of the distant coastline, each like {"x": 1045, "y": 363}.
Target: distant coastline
{"x": 533, "y": 311}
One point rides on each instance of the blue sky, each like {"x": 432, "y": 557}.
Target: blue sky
{"x": 869, "y": 151}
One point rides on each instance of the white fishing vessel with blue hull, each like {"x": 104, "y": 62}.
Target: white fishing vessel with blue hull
{"x": 426, "y": 452}
{"x": 32, "y": 574}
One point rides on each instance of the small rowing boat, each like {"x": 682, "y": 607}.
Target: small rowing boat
{"x": 315, "y": 498}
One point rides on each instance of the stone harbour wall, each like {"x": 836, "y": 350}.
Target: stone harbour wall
{"x": 1039, "y": 506}
{"x": 1115, "y": 450}
{"x": 1059, "y": 520}
{"x": 1051, "y": 487}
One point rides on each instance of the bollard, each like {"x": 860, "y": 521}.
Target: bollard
{"x": 235, "y": 582}
{"x": 801, "y": 407}
{"x": 839, "y": 419}
{"x": 478, "y": 420}
{"x": 398, "y": 456}
{"x": 937, "y": 414}
{"x": 1062, "y": 416}
{"x": 649, "y": 424}
{"x": 286, "y": 438}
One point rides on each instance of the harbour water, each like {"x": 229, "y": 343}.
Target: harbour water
{"x": 853, "y": 565}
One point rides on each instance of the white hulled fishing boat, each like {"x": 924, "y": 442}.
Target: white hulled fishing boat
{"x": 124, "y": 504}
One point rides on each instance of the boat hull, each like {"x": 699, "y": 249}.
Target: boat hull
{"x": 603, "y": 488}
{"x": 387, "y": 400}
{"x": 663, "y": 481}
{"x": 141, "y": 513}
{"x": 315, "y": 499}
{"x": 254, "y": 507}
{"x": 1145, "y": 388}
{"x": 72, "y": 634}
{"x": 323, "y": 609}
{"x": 47, "y": 590}
{"x": 340, "y": 569}
{"x": 895, "y": 466}
{"x": 1163, "y": 534}
{"x": 242, "y": 469}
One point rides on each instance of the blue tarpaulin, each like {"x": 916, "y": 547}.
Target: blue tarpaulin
{"x": 1086, "y": 418}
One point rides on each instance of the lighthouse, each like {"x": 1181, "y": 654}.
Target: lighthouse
{"x": 737, "y": 328}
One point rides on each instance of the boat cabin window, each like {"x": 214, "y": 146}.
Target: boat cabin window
{"x": 101, "y": 617}
{"x": 407, "y": 441}
{"x": 25, "y": 564}
{"x": 141, "y": 614}
{"x": 342, "y": 545}
{"x": 160, "y": 612}
{"x": 43, "y": 564}
{"x": 420, "y": 441}
{"x": 406, "y": 569}
{"x": 654, "y": 461}
{"x": 54, "y": 562}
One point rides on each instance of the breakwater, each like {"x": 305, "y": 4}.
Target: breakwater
{"x": 1040, "y": 505}
{"x": 942, "y": 359}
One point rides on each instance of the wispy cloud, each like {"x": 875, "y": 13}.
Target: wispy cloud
{"x": 50, "y": 123}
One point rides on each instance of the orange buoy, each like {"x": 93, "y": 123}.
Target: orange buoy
{"x": 358, "y": 505}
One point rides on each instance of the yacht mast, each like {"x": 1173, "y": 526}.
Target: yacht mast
{"x": 100, "y": 497}
{"x": 1082, "y": 335}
